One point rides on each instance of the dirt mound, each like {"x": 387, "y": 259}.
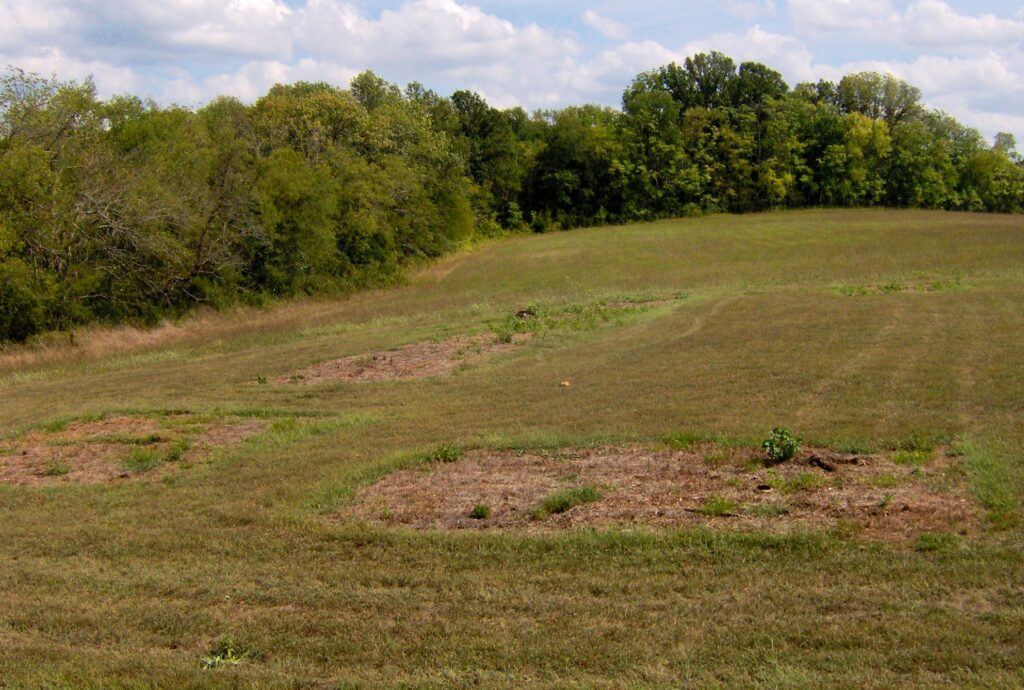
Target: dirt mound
{"x": 419, "y": 360}
{"x": 714, "y": 486}
{"x": 114, "y": 449}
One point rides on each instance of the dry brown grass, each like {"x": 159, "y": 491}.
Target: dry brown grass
{"x": 418, "y": 360}
{"x": 101, "y": 451}
{"x": 715, "y": 487}
{"x": 95, "y": 342}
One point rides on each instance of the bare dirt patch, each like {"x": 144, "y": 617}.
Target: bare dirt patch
{"x": 419, "y": 360}
{"x": 718, "y": 487}
{"x": 114, "y": 449}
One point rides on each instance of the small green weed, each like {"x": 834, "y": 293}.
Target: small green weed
{"x": 56, "y": 469}
{"x": 566, "y": 499}
{"x": 223, "y": 653}
{"x": 448, "y": 452}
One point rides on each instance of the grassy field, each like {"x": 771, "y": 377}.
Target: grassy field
{"x": 852, "y": 328}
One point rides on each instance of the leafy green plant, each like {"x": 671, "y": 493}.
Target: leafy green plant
{"x": 566, "y": 499}
{"x": 480, "y": 512}
{"x": 781, "y": 446}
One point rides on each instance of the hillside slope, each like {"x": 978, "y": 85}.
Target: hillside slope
{"x": 874, "y": 330}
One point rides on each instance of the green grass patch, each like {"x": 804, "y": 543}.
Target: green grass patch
{"x": 447, "y": 452}
{"x": 716, "y": 506}
{"x": 937, "y": 543}
{"x": 805, "y": 481}
{"x": 995, "y": 475}
{"x": 912, "y": 458}
{"x": 56, "y": 469}
{"x": 480, "y": 512}
{"x": 565, "y": 500}
{"x": 140, "y": 460}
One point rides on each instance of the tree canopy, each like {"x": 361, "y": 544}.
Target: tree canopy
{"x": 121, "y": 209}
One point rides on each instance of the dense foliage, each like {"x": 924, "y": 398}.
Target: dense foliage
{"x": 124, "y": 210}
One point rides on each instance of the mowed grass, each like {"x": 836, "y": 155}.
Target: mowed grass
{"x": 136, "y": 584}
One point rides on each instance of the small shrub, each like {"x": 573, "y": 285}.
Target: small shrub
{"x": 141, "y": 460}
{"x": 480, "y": 512}
{"x": 781, "y": 446}
{"x": 892, "y": 288}
{"x": 566, "y": 499}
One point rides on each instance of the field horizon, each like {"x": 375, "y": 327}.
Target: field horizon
{"x": 243, "y": 499}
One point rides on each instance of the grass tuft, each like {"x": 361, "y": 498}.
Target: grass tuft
{"x": 564, "y": 500}
{"x": 140, "y": 460}
{"x": 480, "y": 512}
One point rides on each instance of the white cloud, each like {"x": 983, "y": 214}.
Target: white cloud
{"x": 190, "y": 50}
{"x": 929, "y": 23}
{"x": 934, "y": 23}
{"x": 109, "y": 79}
{"x": 784, "y": 53}
{"x": 609, "y": 28}
{"x": 840, "y": 15}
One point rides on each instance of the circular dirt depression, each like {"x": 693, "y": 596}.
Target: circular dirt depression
{"x": 415, "y": 361}
{"x": 116, "y": 448}
{"x": 710, "y": 485}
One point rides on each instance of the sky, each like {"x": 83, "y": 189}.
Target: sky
{"x": 966, "y": 56}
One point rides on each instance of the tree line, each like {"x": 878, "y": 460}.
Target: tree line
{"x": 122, "y": 210}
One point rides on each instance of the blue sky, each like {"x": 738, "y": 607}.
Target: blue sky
{"x": 968, "y": 57}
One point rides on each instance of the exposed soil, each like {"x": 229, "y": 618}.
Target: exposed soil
{"x": 419, "y": 360}
{"x": 718, "y": 487}
{"x": 96, "y": 452}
